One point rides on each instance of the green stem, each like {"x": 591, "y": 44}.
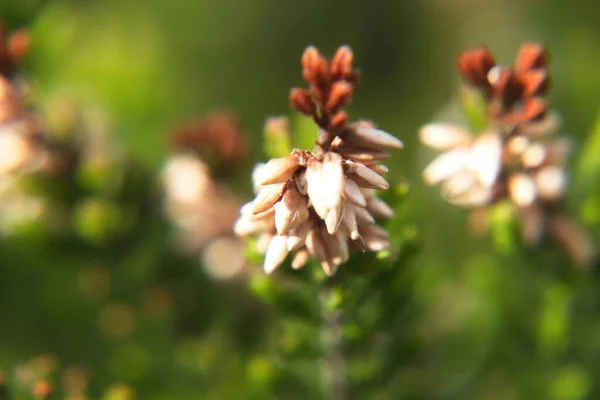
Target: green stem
{"x": 333, "y": 363}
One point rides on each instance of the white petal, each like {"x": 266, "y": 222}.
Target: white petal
{"x": 300, "y": 259}
{"x": 485, "y": 157}
{"x": 534, "y": 156}
{"x": 296, "y": 237}
{"x": 278, "y": 170}
{"x": 353, "y": 194}
{"x": 378, "y": 208}
{"x": 334, "y": 218}
{"x": 276, "y": 253}
{"x": 551, "y": 182}
{"x": 349, "y": 222}
{"x": 444, "y": 136}
{"x": 445, "y": 165}
{"x": 379, "y": 138}
{"x": 333, "y": 180}
{"x": 362, "y": 215}
{"x": 316, "y": 188}
{"x": 267, "y": 197}
{"x": 366, "y": 177}
{"x": 522, "y": 190}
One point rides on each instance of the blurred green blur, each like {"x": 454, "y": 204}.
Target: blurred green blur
{"x": 454, "y": 318}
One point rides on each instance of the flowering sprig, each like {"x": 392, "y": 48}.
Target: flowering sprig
{"x": 13, "y": 48}
{"x": 323, "y": 202}
{"x": 516, "y": 158}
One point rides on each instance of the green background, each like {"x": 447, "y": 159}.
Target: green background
{"x": 458, "y": 317}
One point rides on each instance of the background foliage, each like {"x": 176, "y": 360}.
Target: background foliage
{"x": 454, "y": 318}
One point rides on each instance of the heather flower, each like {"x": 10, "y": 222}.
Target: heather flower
{"x": 516, "y": 158}
{"x": 321, "y": 203}
{"x": 12, "y": 50}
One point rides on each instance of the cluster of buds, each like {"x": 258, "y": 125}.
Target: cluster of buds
{"x": 322, "y": 203}
{"x": 20, "y": 136}
{"x": 218, "y": 134}
{"x": 516, "y": 157}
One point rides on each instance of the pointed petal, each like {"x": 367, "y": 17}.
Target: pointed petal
{"x": 334, "y": 218}
{"x": 353, "y": 194}
{"x": 362, "y": 215}
{"x": 300, "y": 259}
{"x": 333, "y": 180}
{"x": 316, "y": 187}
{"x": 349, "y": 222}
{"x": 278, "y": 170}
{"x": 315, "y": 246}
{"x": 276, "y": 253}
{"x": 365, "y": 177}
{"x": 378, "y": 208}
{"x": 296, "y": 237}
{"x": 377, "y": 138}
{"x": 267, "y": 197}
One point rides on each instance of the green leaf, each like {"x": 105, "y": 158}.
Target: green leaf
{"x": 588, "y": 163}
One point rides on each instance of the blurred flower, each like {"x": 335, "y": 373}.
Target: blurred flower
{"x": 117, "y": 320}
{"x": 94, "y": 282}
{"x": 200, "y": 208}
{"x": 158, "y": 301}
{"x": 216, "y": 138}
{"x": 42, "y": 389}
{"x": 223, "y": 258}
{"x": 75, "y": 381}
{"x": 12, "y": 49}
{"x": 321, "y": 203}
{"x": 516, "y": 159}
{"x": 119, "y": 392}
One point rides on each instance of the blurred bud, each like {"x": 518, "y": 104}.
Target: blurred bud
{"x": 475, "y": 65}
{"x": 341, "y": 63}
{"x": 116, "y": 320}
{"x": 75, "y": 380}
{"x": 119, "y": 392}
{"x": 18, "y": 44}
{"x": 223, "y": 258}
{"x": 158, "y": 301}
{"x": 315, "y": 68}
{"x": 300, "y": 100}
{"x": 530, "y": 56}
{"x": 42, "y": 389}
{"x": 339, "y": 96}
{"x": 534, "y": 82}
{"x": 94, "y": 282}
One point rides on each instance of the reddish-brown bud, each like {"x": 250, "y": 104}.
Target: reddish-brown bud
{"x": 301, "y": 100}
{"x": 531, "y": 56}
{"x": 339, "y": 96}
{"x": 341, "y": 64}
{"x": 338, "y": 120}
{"x": 18, "y": 44}
{"x": 533, "y": 110}
{"x": 475, "y": 64}
{"x": 315, "y": 68}
{"x": 507, "y": 87}
{"x": 535, "y": 82}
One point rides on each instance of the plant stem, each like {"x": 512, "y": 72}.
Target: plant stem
{"x": 333, "y": 364}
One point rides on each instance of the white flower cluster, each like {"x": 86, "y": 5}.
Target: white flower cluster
{"x": 323, "y": 203}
